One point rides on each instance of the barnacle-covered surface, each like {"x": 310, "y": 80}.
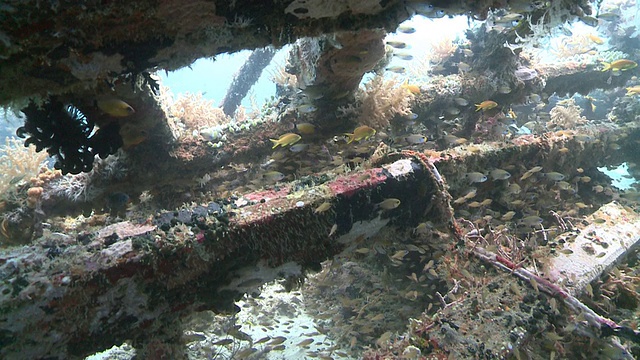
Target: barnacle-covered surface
{"x": 41, "y": 53}
{"x": 149, "y": 264}
{"x": 197, "y": 247}
{"x": 170, "y": 208}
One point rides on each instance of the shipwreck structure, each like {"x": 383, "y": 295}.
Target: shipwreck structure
{"x": 76, "y": 281}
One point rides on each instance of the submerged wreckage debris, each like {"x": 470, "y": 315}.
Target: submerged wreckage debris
{"x": 181, "y": 261}
{"x": 159, "y": 279}
{"x": 415, "y": 226}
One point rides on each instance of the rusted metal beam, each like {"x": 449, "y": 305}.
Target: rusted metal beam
{"x": 68, "y": 297}
{"x": 131, "y": 280}
{"x": 583, "y": 255}
{"x": 39, "y": 51}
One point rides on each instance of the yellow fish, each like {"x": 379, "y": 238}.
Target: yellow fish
{"x": 360, "y": 133}
{"x": 622, "y": 65}
{"x": 634, "y": 90}
{"x": 322, "y": 208}
{"x": 486, "y": 105}
{"x": 285, "y": 140}
{"x": 592, "y": 102}
{"x": 596, "y": 39}
{"x": 115, "y": 107}
{"x": 412, "y": 88}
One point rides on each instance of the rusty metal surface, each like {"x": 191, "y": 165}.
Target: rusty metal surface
{"x": 127, "y": 281}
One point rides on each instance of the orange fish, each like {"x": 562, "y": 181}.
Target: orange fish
{"x": 634, "y": 90}
{"x": 412, "y": 88}
{"x": 486, "y": 105}
{"x": 596, "y": 39}
{"x": 622, "y": 65}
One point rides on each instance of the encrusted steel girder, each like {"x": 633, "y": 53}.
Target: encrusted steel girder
{"x": 44, "y": 54}
{"x": 501, "y": 328}
{"x": 69, "y": 296}
{"x": 66, "y": 47}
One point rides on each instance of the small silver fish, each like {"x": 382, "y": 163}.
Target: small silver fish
{"x": 499, "y": 174}
{"x": 396, "y": 69}
{"x": 609, "y": 16}
{"x": 223, "y": 342}
{"x": 514, "y": 189}
{"x": 403, "y": 56}
{"x": 405, "y": 29}
{"x": 452, "y": 111}
{"x": 563, "y": 185}
{"x": 504, "y": 89}
{"x": 461, "y": 101}
{"x": 273, "y": 176}
{"x": 475, "y": 177}
{"x": 535, "y": 98}
{"x": 565, "y": 30}
{"x": 306, "y": 108}
{"x": 509, "y": 18}
{"x": 333, "y": 230}
{"x": 397, "y": 44}
{"x": 422, "y": 8}
{"x": 531, "y": 221}
{"x": 464, "y": 67}
{"x": 589, "y": 20}
{"x": 277, "y": 340}
{"x": 388, "y": 204}
{"x": 508, "y": 216}
{"x": 299, "y": 147}
{"x": 435, "y": 14}
{"x": 555, "y": 176}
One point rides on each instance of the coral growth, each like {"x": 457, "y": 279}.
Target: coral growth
{"x": 88, "y": 186}
{"x": 570, "y": 47}
{"x": 442, "y": 50}
{"x": 382, "y": 100}
{"x": 282, "y": 78}
{"x": 18, "y": 162}
{"x": 192, "y": 112}
{"x": 566, "y": 116}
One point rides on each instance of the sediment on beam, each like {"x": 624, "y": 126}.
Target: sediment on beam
{"x": 613, "y": 233}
